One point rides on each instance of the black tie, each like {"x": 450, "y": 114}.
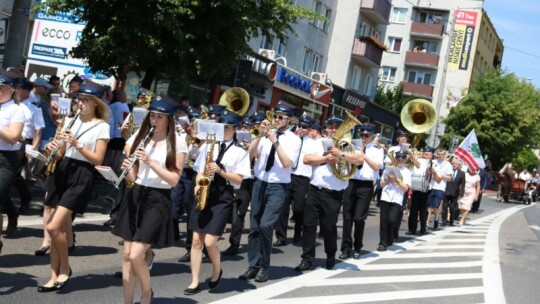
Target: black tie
{"x": 222, "y": 149}
{"x": 272, "y": 156}
{"x": 300, "y": 152}
{"x": 361, "y": 165}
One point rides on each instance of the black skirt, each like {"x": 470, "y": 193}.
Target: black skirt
{"x": 145, "y": 216}
{"x": 214, "y": 217}
{"x": 71, "y": 185}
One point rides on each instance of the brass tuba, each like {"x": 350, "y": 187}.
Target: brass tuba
{"x": 343, "y": 141}
{"x": 236, "y": 100}
{"x": 417, "y": 116}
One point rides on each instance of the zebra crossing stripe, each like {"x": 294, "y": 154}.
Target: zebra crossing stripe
{"x": 422, "y": 265}
{"x": 434, "y": 255}
{"x": 394, "y": 279}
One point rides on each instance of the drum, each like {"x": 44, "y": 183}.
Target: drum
{"x": 419, "y": 182}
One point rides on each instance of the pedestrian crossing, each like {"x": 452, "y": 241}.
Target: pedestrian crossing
{"x": 454, "y": 265}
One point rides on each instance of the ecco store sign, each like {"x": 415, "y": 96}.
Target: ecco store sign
{"x": 308, "y": 88}
{"x": 55, "y": 33}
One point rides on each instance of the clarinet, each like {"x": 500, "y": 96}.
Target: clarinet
{"x": 55, "y": 150}
{"x": 132, "y": 158}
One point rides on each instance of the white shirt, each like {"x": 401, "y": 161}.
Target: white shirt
{"x": 10, "y": 112}
{"x": 443, "y": 168}
{"x": 301, "y": 168}
{"x": 148, "y": 177}
{"x": 37, "y": 122}
{"x": 88, "y": 139}
{"x": 392, "y": 193}
{"x": 277, "y": 174}
{"x": 27, "y": 121}
{"x": 525, "y": 176}
{"x": 235, "y": 159}
{"x": 376, "y": 153}
{"x": 118, "y": 112}
{"x": 322, "y": 176}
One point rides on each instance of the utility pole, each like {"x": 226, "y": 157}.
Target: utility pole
{"x": 17, "y": 28}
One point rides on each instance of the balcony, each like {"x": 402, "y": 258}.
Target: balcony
{"x": 422, "y": 60}
{"x": 417, "y": 89}
{"x": 376, "y": 10}
{"x": 367, "y": 53}
{"x": 427, "y": 30}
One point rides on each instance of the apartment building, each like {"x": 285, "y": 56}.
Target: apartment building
{"x": 436, "y": 49}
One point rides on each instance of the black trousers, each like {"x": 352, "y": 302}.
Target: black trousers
{"x": 476, "y": 204}
{"x": 321, "y": 206}
{"x": 418, "y": 207}
{"x": 389, "y": 218}
{"x": 296, "y": 195}
{"x": 9, "y": 162}
{"x": 356, "y": 200}
{"x": 449, "y": 205}
{"x": 240, "y": 208}
{"x": 189, "y": 204}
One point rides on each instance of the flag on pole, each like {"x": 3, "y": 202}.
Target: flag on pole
{"x": 470, "y": 153}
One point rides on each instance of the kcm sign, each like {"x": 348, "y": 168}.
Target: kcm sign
{"x": 301, "y": 85}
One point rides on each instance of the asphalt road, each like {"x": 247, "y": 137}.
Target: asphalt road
{"x": 454, "y": 265}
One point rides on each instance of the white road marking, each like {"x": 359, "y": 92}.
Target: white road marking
{"x": 459, "y": 240}
{"x": 421, "y": 265}
{"x": 434, "y": 255}
{"x": 535, "y": 227}
{"x": 422, "y": 247}
{"x": 394, "y": 279}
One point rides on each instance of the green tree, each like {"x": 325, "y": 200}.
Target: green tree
{"x": 390, "y": 98}
{"x": 185, "y": 39}
{"x": 503, "y": 110}
{"x": 526, "y": 159}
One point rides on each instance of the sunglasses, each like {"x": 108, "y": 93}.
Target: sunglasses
{"x": 280, "y": 117}
{"x": 304, "y": 127}
{"x": 365, "y": 135}
{"x": 399, "y": 157}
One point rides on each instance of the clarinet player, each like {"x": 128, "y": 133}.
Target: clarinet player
{"x": 145, "y": 217}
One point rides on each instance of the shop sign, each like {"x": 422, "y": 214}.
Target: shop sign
{"x": 303, "y": 86}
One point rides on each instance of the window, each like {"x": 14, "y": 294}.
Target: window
{"x": 355, "y": 80}
{"x": 399, "y": 15}
{"x": 317, "y": 6}
{"x": 306, "y": 66}
{"x": 267, "y": 43}
{"x": 328, "y": 15}
{"x": 282, "y": 47}
{"x": 419, "y": 77}
{"x": 429, "y": 46}
{"x": 394, "y": 44}
{"x": 367, "y": 89}
{"x": 316, "y": 65}
{"x": 389, "y": 74}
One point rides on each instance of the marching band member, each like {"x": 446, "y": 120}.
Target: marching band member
{"x": 145, "y": 216}
{"x": 276, "y": 153}
{"x": 323, "y": 200}
{"x": 359, "y": 193}
{"x": 178, "y": 191}
{"x": 11, "y": 127}
{"x": 82, "y": 147}
{"x": 228, "y": 168}
{"x": 395, "y": 184}
{"x": 419, "y": 198}
{"x": 298, "y": 188}
{"x": 440, "y": 172}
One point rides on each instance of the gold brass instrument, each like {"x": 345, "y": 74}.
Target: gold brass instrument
{"x": 133, "y": 127}
{"x": 51, "y": 162}
{"x": 343, "y": 141}
{"x": 205, "y": 181}
{"x": 57, "y": 135}
{"x": 236, "y": 100}
{"x": 417, "y": 116}
{"x": 255, "y": 133}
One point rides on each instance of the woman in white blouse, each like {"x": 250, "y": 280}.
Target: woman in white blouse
{"x": 145, "y": 215}
{"x": 82, "y": 147}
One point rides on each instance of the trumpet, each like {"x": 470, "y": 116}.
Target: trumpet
{"x": 132, "y": 158}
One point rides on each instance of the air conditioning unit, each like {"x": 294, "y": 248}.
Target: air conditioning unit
{"x": 320, "y": 77}
{"x": 270, "y": 54}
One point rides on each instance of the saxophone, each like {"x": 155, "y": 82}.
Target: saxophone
{"x": 206, "y": 179}
{"x": 51, "y": 162}
{"x": 134, "y": 127}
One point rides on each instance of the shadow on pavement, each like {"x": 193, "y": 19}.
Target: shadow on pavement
{"x": 14, "y": 282}
{"x": 22, "y": 260}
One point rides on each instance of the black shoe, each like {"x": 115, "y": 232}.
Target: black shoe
{"x": 12, "y": 225}
{"x": 297, "y": 240}
{"x": 59, "y": 285}
{"x": 42, "y": 251}
{"x": 381, "y": 248}
{"x": 191, "y": 291}
{"x": 185, "y": 258}
{"x": 303, "y": 266}
{"x": 211, "y": 284}
{"x": 345, "y": 254}
{"x": 232, "y": 250}
{"x": 280, "y": 243}
{"x": 1, "y": 245}
{"x": 42, "y": 288}
{"x": 118, "y": 274}
{"x": 250, "y": 274}
{"x": 330, "y": 263}
{"x": 25, "y": 204}
{"x": 109, "y": 223}
{"x": 356, "y": 254}
{"x": 410, "y": 233}
{"x": 262, "y": 275}
{"x": 72, "y": 247}
{"x": 422, "y": 233}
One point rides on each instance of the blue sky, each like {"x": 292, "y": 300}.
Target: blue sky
{"x": 518, "y": 24}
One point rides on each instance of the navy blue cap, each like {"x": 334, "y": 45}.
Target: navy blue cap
{"x": 305, "y": 120}
{"x": 7, "y": 78}
{"x": 429, "y": 149}
{"x": 42, "y": 82}
{"x": 400, "y": 132}
{"x": 401, "y": 153}
{"x": 247, "y": 121}
{"x": 316, "y": 127}
{"x": 229, "y": 118}
{"x": 76, "y": 78}
{"x": 282, "y": 107}
{"x": 193, "y": 113}
{"x": 215, "y": 110}
{"x": 25, "y": 84}
{"x": 367, "y": 128}
{"x": 142, "y": 92}
{"x": 258, "y": 117}
{"x": 334, "y": 120}
{"x": 163, "y": 105}
{"x": 90, "y": 90}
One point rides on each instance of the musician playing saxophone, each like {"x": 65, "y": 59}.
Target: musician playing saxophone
{"x": 226, "y": 164}
{"x": 145, "y": 217}
{"x": 82, "y": 146}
